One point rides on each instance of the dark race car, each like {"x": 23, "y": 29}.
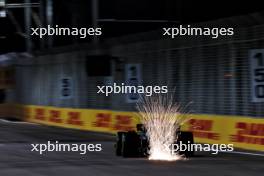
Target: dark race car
{"x": 136, "y": 144}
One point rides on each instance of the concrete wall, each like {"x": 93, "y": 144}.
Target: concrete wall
{"x": 199, "y": 69}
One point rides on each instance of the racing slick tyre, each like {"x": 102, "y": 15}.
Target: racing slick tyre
{"x": 186, "y": 138}
{"x": 130, "y": 146}
{"x": 119, "y": 143}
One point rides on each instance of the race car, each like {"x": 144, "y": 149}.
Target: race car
{"x": 136, "y": 144}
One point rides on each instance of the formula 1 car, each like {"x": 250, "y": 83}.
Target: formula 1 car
{"x": 136, "y": 144}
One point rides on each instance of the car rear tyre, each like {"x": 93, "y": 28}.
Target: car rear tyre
{"x": 186, "y": 138}
{"x": 119, "y": 143}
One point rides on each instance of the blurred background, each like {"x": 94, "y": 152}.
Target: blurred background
{"x": 214, "y": 74}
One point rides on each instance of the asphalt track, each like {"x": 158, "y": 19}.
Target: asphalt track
{"x": 16, "y": 158}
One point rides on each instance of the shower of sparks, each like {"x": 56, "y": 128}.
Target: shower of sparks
{"x": 161, "y": 117}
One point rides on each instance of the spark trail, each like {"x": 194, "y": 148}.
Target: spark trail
{"x": 161, "y": 117}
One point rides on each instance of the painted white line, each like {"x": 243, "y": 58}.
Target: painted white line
{"x": 21, "y": 122}
{"x": 243, "y": 153}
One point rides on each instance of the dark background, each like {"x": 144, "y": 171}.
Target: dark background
{"x": 77, "y": 13}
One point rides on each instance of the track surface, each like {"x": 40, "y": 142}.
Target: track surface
{"x": 16, "y": 159}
